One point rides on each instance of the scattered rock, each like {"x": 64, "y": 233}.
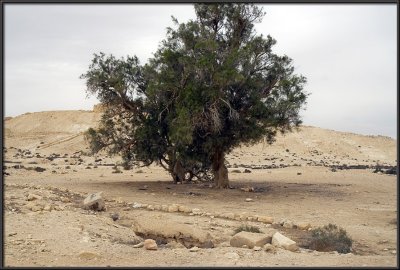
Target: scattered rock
{"x": 34, "y": 207}
{"x": 173, "y": 208}
{"x": 194, "y": 249}
{"x": 256, "y": 248}
{"x": 188, "y": 235}
{"x": 174, "y": 245}
{"x": 288, "y": 224}
{"x": 247, "y": 189}
{"x": 265, "y": 219}
{"x": 32, "y": 197}
{"x": 280, "y": 240}
{"x": 141, "y": 244}
{"x": 303, "y": 225}
{"x": 249, "y": 200}
{"x": 115, "y": 216}
{"x": 251, "y": 239}
{"x": 150, "y": 244}
{"x": 48, "y": 207}
{"x": 94, "y": 202}
{"x": 136, "y": 205}
{"x": 184, "y": 209}
{"x": 196, "y": 211}
{"x": 269, "y": 248}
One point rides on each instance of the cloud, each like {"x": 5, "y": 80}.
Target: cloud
{"x": 347, "y": 52}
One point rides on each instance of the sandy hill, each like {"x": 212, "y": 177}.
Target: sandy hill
{"x": 62, "y": 132}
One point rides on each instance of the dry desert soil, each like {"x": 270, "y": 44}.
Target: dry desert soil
{"x": 309, "y": 177}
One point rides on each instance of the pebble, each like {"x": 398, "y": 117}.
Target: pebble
{"x": 150, "y": 244}
{"x": 194, "y": 249}
{"x": 249, "y": 199}
{"x": 196, "y": 211}
{"x": 138, "y": 245}
{"x": 136, "y": 205}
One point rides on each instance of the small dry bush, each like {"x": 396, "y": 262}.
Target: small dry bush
{"x": 330, "y": 238}
{"x": 247, "y": 228}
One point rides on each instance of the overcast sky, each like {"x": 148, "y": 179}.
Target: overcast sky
{"x": 347, "y": 52}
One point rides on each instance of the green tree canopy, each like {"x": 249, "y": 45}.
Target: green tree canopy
{"x": 213, "y": 84}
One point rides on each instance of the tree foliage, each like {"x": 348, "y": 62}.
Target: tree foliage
{"x": 213, "y": 84}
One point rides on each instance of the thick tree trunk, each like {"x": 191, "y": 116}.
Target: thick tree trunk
{"x": 178, "y": 173}
{"x": 219, "y": 170}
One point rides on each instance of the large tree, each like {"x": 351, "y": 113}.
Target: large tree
{"x": 213, "y": 84}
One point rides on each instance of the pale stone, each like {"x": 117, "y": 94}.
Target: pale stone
{"x": 150, "y": 244}
{"x": 269, "y": 248}
{"x": 288, "y": 224}
{"x": 194, "y": 249}
{"x": 141, "y": 244}
{"x": 251, "y": 239}
{"x": 173, "y": 208}
{"x": 249, "y": 200}
{"x": 303, "y": 225}
{"x": 164, "y": 208}
{"x": 32, "y": 197}
{"x": 94, "y": 201}
{"x": 256, "y": 248}
{"x": 280, "y": 240}
{"x": 184, "y": 209}
{"x": 266, "y": 219}
{"x": 196, "y": 211}
{"x": 136, "y": 205}
{"x": 48, "y": 207}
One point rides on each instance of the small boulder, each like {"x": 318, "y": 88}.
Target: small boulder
{"x": 32, "y": 197}
{"x": 269, "y": 248}
{"x": 173, "y": 208}
{"x": 184, "y": 209}
{"x": 94, "y": 202}
{"x": 280, "y": 240}
{"x": 266, "y": 219}
{"x": 196, "y": 211}
{"x": 251, "y": 239}
{"x": 194, "y": 249}
{"x": 150, "y": 244}
{"x": 303, "y": 225}
{"x": 288, "y": 224}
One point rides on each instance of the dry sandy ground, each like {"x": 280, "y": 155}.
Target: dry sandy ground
{"x": 302, "y": 188}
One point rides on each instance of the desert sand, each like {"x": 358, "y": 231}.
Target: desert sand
{"x": 311, "y": 176}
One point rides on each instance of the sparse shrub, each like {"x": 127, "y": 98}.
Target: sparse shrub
{"x": 330, "y": 238}
{"x": 236, "y": 171}
{"x": 247, "y": 228}
{"x": 67, "y": 167}
{"x": 32, "y": 162}
{"x": 139, "y": 171}
{"x": 39, "y": 169}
